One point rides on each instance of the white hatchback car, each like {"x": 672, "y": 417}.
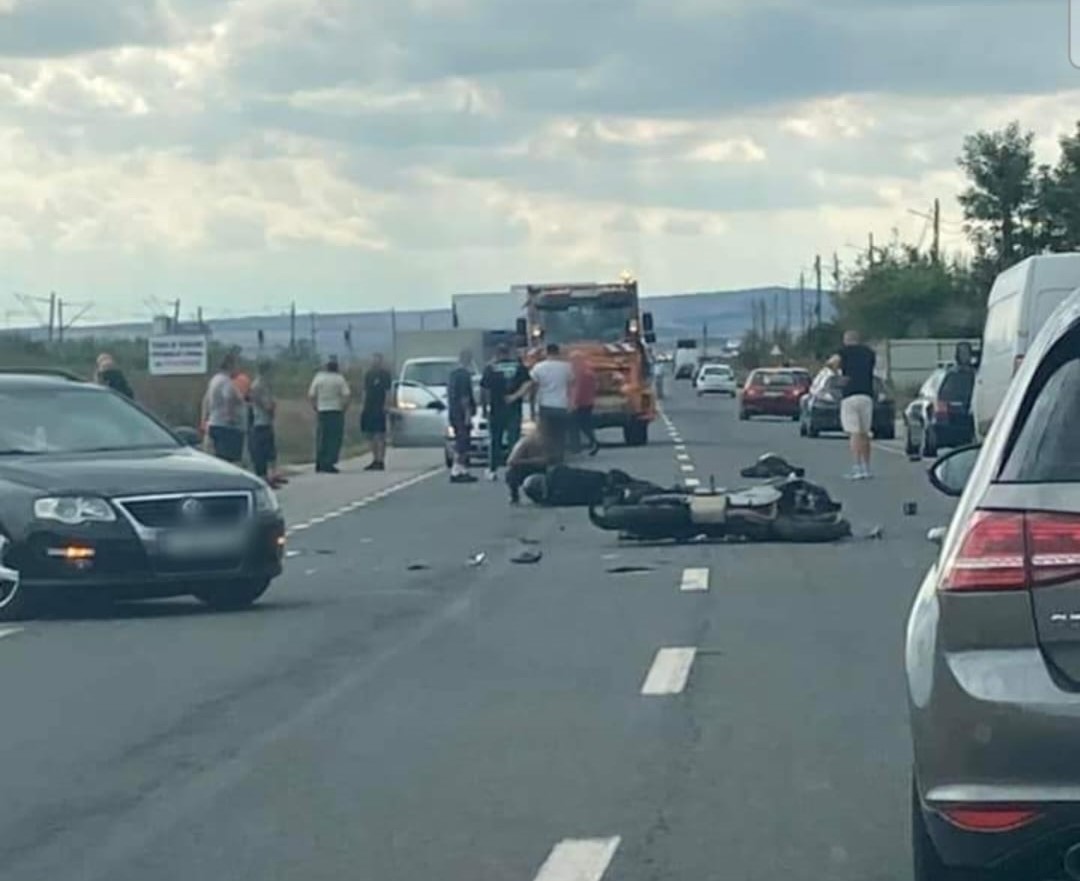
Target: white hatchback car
{"x": 716, "y": 379}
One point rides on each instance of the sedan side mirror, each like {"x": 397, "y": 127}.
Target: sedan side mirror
{"x": 950, "y": 473}
{"x": 436, "y": 405}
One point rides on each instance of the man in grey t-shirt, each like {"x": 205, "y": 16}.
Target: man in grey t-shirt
{"x": 223, "y": 409}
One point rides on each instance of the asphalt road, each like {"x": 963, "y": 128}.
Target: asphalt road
{"x": 391, "y": 712}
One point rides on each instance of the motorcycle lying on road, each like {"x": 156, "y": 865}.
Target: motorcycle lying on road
{"x": 792, "y": 510}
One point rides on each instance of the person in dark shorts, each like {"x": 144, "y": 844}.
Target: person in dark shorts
{"x": 224, "y": 412}
{"x": 377, "y": 384}
{"x": 503, "y": 378}
{"x": 262, "y": 444}
{"x": 461, "y": 403}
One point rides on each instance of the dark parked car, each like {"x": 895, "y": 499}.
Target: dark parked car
{"x": 993, "y": 639}
{"x": 771, "y": 392}
{"x": 97, "y": 497}
{"x": 819, "y": 409}
{"x": 941, "y": 415}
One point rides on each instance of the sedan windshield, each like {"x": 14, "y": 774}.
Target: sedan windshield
{"x": 75, "y": 420}
{"x": 432, "y": 373}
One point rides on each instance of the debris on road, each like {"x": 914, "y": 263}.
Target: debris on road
{"x": 528, "y": 541}
{"x": 911, "y": 509}
{"x": 417, "y": 567}
{"x": 527, "y": 556}
{"x": 628, "y": 570}
{"x": 770, "y": 466}
{"x": 875, "y": 532}
{"x": 477, "y": 559}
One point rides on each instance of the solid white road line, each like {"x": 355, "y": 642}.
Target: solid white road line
{"x": 889, "y": 448}
{"x": 9, "y": 631}
{"x": 579, "y": 859}
{"x": 695, "y": 580}
{"x": 669, "y": 672}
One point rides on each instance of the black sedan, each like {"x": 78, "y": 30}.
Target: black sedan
{"x": 819, "y": 409}
{"x": 941, "y": 415}
{"x": 98, "y": 498}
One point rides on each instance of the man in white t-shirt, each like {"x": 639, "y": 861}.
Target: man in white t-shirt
{"x": 550, "y": 382}
{"x": 329, "y": 395}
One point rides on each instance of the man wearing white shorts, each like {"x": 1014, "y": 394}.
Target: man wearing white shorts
{"x": 856, "y": 364}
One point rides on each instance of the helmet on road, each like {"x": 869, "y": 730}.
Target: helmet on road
{"x": 536, "y": 488}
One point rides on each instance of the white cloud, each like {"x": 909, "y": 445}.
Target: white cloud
{"x": 432, "y": 145}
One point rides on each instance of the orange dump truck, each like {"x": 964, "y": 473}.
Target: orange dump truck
{"x": 605, "y": 323}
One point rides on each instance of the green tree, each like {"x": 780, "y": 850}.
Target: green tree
{"x": 1059, "y": 194}
{"x": 1002, "y": 206}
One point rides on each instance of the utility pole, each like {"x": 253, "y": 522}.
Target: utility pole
{"x": 62, "y": 325}
{"x": 787, "y": 311}
{"x": 292, "y": 327}
{"x": 176, "y": 316}
{"x": 836, "y": 272}
{"x": 704, "y": 338}
{"x": 817, "y": 302}
{"x": 199, "y": 318}
{"x": 52, "y": 314}
{"x": 776, "y": 315}
{"x": 935, "y": 248}
{"x": 870, "y": 253}
{"x": 802, "y": 303}
{"x": 59, "y": 318}
{"x": 313, "y": 346}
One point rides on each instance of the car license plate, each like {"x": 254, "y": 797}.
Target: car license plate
{"x": 774, "y": 394}
{"x": 202, "y": 543}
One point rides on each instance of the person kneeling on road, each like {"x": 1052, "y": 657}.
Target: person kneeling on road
{"x": 529, "y": 456}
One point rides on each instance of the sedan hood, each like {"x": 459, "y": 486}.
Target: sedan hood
{"x": 125, "y": 474}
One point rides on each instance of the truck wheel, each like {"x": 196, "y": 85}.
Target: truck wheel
{"x": 636, "y": 434}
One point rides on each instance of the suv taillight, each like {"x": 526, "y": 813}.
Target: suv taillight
{"x": 941, "y": 409}
{"x": 1012, "y": 551}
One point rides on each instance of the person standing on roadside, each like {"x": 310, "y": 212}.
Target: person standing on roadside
{"x": 377, "y": 384}
{"x": 550, "y": 382}
{"x": 462, "y": 407}
{"x": 111, "y": 376}
{"x": 856, "y": 363}
{"x": 329, "y": 395}
{"x": 583, "y": 401}
{"x": 503, "y": 378}
{"x": 262, "y": 442}
{"x": 224, "y": 412}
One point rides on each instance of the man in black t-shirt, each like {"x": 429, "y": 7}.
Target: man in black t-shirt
{"x": 503, "y": 379}
{"x": 856, "y": 364}
{"x": 377, "y": 384}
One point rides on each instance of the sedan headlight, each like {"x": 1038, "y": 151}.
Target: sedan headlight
{"x": 266, "y": 501}
{"x": 74, "y": 510}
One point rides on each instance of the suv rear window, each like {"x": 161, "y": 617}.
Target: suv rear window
{"x": 1045, "y": 450}
{"x": 773, "y": 379}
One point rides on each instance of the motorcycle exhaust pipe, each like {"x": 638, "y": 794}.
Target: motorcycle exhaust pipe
{"x": 1071, "y": 863}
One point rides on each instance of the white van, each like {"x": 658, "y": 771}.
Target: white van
{"x": 1020, "y": 301}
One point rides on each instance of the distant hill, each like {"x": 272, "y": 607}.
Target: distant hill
{"x": 725, "y": 314}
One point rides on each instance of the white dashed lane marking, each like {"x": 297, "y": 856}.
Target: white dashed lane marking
{"x": 688, "y": 469}
{"x": 692, "y": 482}
{"x": 362, "y": 503}
{"x": 695, "y": 580}
{"x": 579, "y": 859}
{"x": 682, "y": 457}
{"x": 669, "y": 671}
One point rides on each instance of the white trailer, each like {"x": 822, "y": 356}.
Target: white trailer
{"x": 497, "y": 311}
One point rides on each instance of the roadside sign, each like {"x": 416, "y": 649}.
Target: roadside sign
{"x": 777, "y": 351}
{"x": 178, "y": 355}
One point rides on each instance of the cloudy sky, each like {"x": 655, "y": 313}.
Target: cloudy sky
{"x": 355, "y": 154}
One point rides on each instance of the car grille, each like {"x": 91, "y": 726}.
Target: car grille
{"x": 165, "y": 512}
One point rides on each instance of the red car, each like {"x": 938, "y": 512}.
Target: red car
{"x": 774, "y": 392}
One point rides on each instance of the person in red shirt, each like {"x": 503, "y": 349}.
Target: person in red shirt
{"x": 583, "y": 400}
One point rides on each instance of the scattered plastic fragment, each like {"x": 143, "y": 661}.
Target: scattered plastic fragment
{"x": 628, "y": 570}
{"x": 875, "y": 532}
{"x": 417, "y": 567}
{"x": 477, "y": 559}
{"x": 911, "y": 509}
{"x": 527, "y": 556}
